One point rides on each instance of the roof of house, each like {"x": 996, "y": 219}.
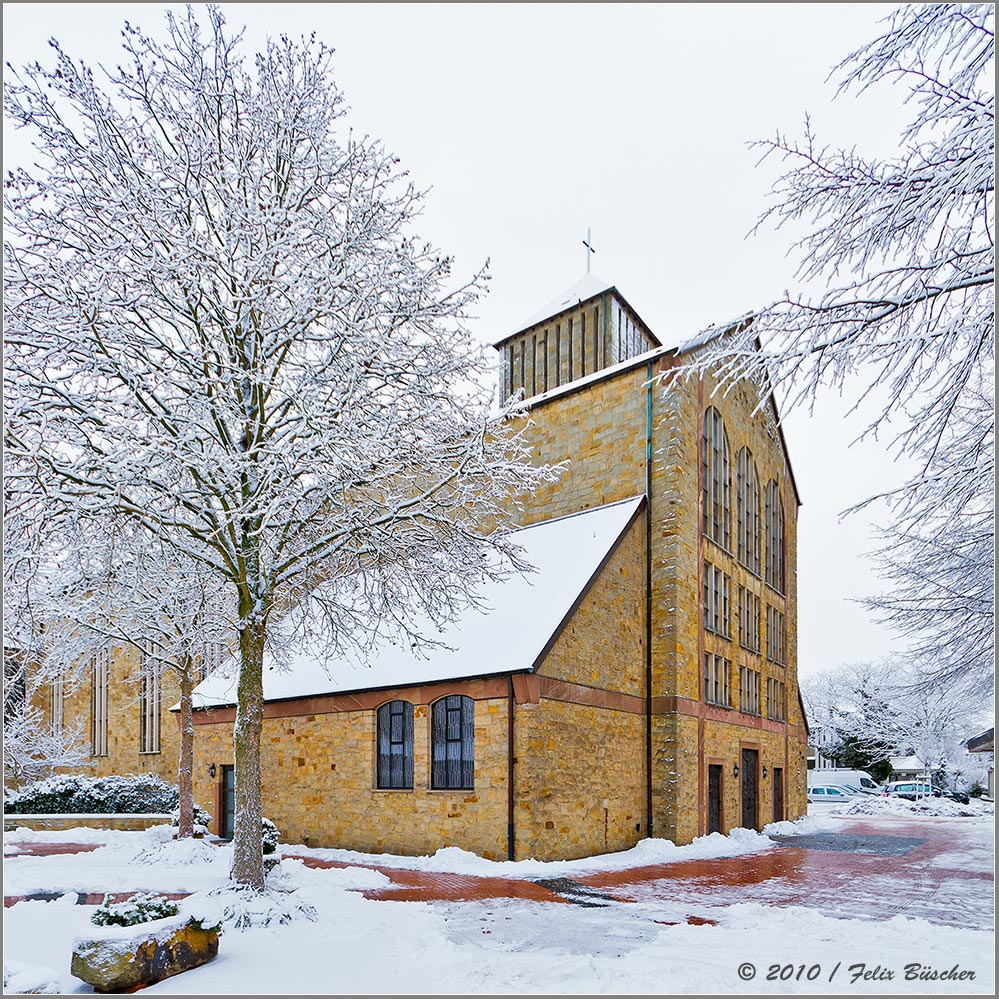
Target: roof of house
{"x": 983, "y": 743}
{"x": 900, "y": 763}
{"x": 524, "y": 614}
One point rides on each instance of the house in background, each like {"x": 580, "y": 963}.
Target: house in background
{"x": 985, "y": 742}
{"x": 905, "y": 767}
{"x": 643, "y": 682}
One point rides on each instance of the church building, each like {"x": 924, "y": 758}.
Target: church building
{"x": 640, "y": 682}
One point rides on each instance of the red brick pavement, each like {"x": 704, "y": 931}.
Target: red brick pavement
{"x": 924, "y": 882}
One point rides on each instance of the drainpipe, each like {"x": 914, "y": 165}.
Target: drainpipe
{"x": 510, "y": 832}
{"x": 648, "y": 600}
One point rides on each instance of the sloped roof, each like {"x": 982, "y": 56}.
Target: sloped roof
{"x": 983, "y": 743}
{"x": 585, "y": 288}
{"x": 524, "y": 614}
{"x": 901, "y": 763}
{"x": 589, "y": 286}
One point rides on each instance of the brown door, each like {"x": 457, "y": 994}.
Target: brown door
{"x": 714, "y": 798}
{"x": 778, "y": 794}
{"x": 226, "y": 830}
{"x": 750, "y": 788}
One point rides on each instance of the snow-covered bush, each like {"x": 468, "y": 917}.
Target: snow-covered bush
{"x": 101, "y": 795}
{"x": 201, "y": 817}
{"x": 271, "y": 836}
{"x": 143, "y": 907}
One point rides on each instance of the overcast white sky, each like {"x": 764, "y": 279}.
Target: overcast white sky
{"x": 531, "y": 123}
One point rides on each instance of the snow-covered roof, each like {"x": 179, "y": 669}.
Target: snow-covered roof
{"x": 524, "y": 612}
{"x": 581, "y": 291}
{"x": 902, "y": 763}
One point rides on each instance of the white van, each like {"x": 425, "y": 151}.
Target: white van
{"x": 844, "y": 777}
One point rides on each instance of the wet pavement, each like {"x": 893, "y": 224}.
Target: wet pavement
{"x": 864, "y": 871}
{"x": 935, "y": 870}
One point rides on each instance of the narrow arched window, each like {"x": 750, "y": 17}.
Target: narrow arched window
{"x": 714, "y": 468}
{"x": 774, "y": 528}
{"x": 747, "y": 505}
{"x": 452, "y": 743}
{"x": 395, "y": 745}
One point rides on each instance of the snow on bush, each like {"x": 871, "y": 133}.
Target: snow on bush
{"x": 242, "y": 907}
{"x": 29, "y": 979}
{"x": 271, "y": 836}
{"x": 178, "y": 851}
{"x": 202, "y": 819}
{"x": 75, "y": 794}
{"x": 142, "y": 907}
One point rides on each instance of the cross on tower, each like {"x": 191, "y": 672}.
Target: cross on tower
{"x": 589, "y": 249}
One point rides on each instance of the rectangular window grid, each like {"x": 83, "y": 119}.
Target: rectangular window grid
{"x": 150, "y": 696}
{"x": 716, "y": 618}
{"x": 749, "y": 690}
{"x": 716, "y": 671}
{"x": 100, "y": 672}
{"x": 749, "y": 620}
{"x": 776, "y": 636}
{"x": 776, "y": 700}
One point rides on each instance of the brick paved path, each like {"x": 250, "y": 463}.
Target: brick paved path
{"x": 934, "y": 870}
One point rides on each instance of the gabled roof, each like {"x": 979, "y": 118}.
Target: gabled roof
{"x": 587, "y": 288}
{"x": 524, "y": 616}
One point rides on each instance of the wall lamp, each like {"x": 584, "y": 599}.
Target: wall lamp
{"x": 735, "y": 770}
{"x": 211, "y": 770}
{"x": 764, "y": 772}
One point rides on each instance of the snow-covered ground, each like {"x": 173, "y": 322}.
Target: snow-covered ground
{"x": 500, "y": 946}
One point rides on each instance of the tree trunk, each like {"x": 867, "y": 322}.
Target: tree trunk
{"x": 185, "y": 769}
{"x": 248, "y": 858}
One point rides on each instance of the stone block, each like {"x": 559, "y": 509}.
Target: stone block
{"x": 114, "y": 958}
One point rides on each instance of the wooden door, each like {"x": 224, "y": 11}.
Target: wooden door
{"x": 227, "y": 825}
{"x": 778, "y": 794}
{"x": 750, "y": 788}
{"x": 714, "y": 798}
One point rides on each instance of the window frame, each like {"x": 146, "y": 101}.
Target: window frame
{"x": 387, "y": 777}
{"x": 715, "y": 488}
{"x": 747, "y": 507}
{"x": 452, "y": 727}
{"x": 716, "y": 674}
{"x": 717, "y": 610}
{"x": 100, "y": 675}
{"x": 150, "y": 703}
{"x": 775, "y": 574}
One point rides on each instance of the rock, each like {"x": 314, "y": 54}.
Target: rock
{"x": 117, "y": 957}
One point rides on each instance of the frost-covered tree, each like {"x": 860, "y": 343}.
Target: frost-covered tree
{"x": 938, "y": 556}
{"x": 880, "y": 710}
{"x": 854, "y": 705}
{"x": 222, "y": 329}
{"x": 34, "y": 745}
{"x": 107, "y": 589}
{"x": 902, "y": 254}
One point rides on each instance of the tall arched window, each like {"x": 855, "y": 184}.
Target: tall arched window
{"x": 395, "y": 745}
{"x": 452, "y": 743}
{"x": 714, "y": 470}
{"x": 774, "y": 516}
{"x": 747, "y": 505}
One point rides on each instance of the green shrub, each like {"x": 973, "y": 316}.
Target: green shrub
{"x": 143, "y": 907}
{"x": 271, "y": 836}
{"x": 76, "y": 794}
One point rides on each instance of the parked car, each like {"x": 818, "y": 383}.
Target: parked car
{"x": 832, "y": 793}
{"x": 912, "y": 790}
{"x": 843, "y": 776}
